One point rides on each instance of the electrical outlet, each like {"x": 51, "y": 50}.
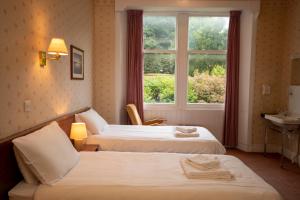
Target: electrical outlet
{"x": 27, "y": 105}
{"x": 266, "y": 89}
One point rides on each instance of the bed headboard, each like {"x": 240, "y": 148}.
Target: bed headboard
{"x": 9, "y": 171}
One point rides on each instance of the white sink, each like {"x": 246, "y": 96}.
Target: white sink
{"x": 284, "y": 120}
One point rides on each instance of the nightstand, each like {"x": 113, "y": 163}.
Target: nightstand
{"x": 90, "y": 147}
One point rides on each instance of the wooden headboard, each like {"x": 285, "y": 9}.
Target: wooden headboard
{"x": 9, "y": 171}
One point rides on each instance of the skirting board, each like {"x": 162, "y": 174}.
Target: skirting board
{"x": 271, "y": 148}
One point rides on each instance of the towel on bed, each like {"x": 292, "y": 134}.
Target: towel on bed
{"x": 186, "y": 130}
{"x": 180, "y": 134}
{"x": 214, "y": 174}
{"x": 203, "y": 162}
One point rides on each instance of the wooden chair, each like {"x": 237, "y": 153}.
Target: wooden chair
{"x": 136, "y": 119}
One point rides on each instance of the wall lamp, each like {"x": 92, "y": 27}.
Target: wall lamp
{"x": 56, "y": 49}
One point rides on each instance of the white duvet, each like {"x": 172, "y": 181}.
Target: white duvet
{"x": 149, "y": 176}
{"x": 155, "y": 139}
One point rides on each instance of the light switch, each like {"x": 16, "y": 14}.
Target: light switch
{"x": 27, "y": 105}
{"x": 266, "y": 89}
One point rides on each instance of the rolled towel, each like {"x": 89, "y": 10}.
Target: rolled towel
{"x": 203, "y": 162}
{"x": 180, "y": 134}
{"x": 213, "y": 174}
{"x": 186, "y": 130}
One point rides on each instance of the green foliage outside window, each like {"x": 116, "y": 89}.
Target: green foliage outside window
{"x": 206, "y": 72}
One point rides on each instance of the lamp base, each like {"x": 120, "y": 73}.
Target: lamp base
{"x": 78, "y": 144}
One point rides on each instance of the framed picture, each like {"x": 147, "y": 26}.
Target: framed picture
{"x": 77, "y": 63}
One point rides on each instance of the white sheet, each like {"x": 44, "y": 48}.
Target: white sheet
{"x": 22, "y": 191}
{"x": 148, "y": 176}
{"x": 155, "y": 139}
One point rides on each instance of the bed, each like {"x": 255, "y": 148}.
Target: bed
{"x": 130, "y": 176}
{"x": 60, "y": 172}
{"x": 136, "y": 138}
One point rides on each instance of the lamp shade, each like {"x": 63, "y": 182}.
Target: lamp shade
{"x": 58, "y": 46}
{"x": 78, "y": 131}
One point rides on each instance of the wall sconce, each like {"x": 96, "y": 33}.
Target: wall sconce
{"x": 56, "y": 49}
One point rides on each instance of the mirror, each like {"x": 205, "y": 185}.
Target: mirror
{"x": 295, "y": 71}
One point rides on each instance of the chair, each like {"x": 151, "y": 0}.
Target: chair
{"x": 136, "y": 119}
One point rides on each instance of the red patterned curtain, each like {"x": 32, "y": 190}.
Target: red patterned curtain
{"x": 230, "y": 137}
{"x": 135, "y": 60}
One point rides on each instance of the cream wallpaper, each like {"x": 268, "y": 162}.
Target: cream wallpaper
{"x": 104, "y": 59}
{"x": 291, "y": 45}
{"x": 278, "y": 37}
{"x": 27, "y": 26}
{"x": 268, "y": 63}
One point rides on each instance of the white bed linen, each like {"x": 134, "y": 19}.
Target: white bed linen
{"x": 22, "y": 191}
{"x": 155, "y": 139}
{"x": 148, "y": 176}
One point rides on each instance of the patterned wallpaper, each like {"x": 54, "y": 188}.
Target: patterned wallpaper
{"x": 27, "y": 26}
{"x": 291, "y": 46}
{"x": 278, "y": 37}
{"x": 268, "y": 63}
{"x": 104, "y": 59}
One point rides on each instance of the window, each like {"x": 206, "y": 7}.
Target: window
{"x": 207, "y": 45}
{"x": 159, "y": 59}
{"x": 196, "y": 45}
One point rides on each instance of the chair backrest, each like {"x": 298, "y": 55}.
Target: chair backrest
{"x": 133, "y": 115}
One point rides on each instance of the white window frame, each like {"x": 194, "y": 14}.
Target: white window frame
{"x": 181, "y": 65}
{"x": 174, "y": 105}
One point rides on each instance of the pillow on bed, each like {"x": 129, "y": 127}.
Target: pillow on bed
{"x": 28, "y": 176}
{"x": 93, "y": 121}
{"x": 48, "y": 152}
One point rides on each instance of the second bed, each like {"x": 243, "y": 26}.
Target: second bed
{"x": 136, "y": 138}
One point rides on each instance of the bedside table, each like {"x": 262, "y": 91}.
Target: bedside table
{"x": 90, "y": 147}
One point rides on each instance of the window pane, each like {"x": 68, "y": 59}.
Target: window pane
{"x": 208, "y": 33}
{"x": 159, "y": 78}
{"x": 206, "y": 78}
{"x": 159, "y": 32}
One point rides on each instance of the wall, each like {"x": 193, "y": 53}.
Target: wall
{"x": 27, "y": 26}
{"x": 278, "y": 38}
{"x": 268, "y": 66}
{"x": 291, "y": 47}
{"x": 104, "y": 57}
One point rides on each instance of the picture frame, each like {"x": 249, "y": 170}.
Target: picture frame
{"x": 77, "y": 63}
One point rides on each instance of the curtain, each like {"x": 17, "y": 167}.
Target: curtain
{"x": 230, "y": 136}
{"x": 135, "y": 60}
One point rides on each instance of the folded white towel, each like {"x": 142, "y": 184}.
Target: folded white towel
{"x": 204, "y": 162}
{"x": 180, "y": 134}
{"x": 186, "y": 130}
{"x": 215, "y": 174}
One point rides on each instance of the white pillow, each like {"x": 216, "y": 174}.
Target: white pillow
{"x": 48, "y": 152}
{"x": 28, "y": 176}
{"x": 93, "y": 121}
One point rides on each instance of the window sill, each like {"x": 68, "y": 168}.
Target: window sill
{"x": 161, "y": 106}
{"x": 205, "y": 106}
{"x": 186, "y": 107}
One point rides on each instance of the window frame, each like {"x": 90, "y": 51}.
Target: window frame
{"x": 182, "y": 53}
{"x": 164, "y": 51}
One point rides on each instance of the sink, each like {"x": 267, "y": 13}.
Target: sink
{"x": 282, "y": 119}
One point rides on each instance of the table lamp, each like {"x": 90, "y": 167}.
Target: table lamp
{"x": 78, "y": 134}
